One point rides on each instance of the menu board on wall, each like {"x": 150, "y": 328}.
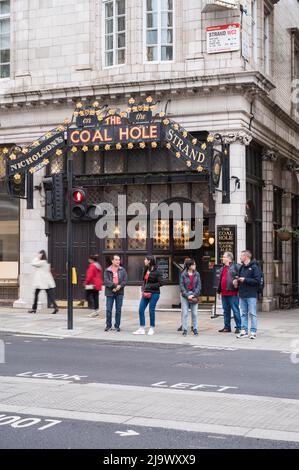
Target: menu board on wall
{"x": 226, "y": 240}
{"x": 164, "y": 266}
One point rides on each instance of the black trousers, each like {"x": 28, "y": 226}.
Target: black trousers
{"x": 51, "y": 298}
{"x": 92, "y": 297}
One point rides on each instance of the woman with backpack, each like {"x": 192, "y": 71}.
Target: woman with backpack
{"x": 190, "y": 285}
{"x": 152, "y": 281}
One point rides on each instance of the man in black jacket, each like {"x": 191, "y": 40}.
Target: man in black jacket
{"x": 248, "y": 283}
{"x": 229, "y": 293}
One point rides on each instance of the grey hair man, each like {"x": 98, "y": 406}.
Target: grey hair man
{"x": 229, "y": 293}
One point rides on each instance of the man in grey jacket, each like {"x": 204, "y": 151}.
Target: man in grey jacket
{"x": 115, "y": 280}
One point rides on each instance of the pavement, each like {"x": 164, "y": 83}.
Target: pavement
{"x": 179, "y": 393}
{"x": 185, "y": 410}
{"x": 277, "y": 330}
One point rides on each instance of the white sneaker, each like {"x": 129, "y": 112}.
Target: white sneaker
{"x": 151, "y": 331}
{"x": 93, "y": 314}
{"x": 243, "y": 334}
{"x": 252, "y": 335}
{"x": 140, "y": 331}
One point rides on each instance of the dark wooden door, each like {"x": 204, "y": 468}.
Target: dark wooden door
{"x": 85, "y": 244}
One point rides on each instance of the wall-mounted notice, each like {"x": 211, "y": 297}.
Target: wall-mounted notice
{"x": 223, "y": 38}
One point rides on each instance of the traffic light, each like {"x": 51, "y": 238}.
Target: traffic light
{"x": 16, "y": 185}
{"x": 54, "y": 192}
{"x": 79, "y": 203}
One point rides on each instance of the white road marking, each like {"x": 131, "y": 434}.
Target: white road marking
{"x": 129, "y": 432}
{"x": 192, "y": 386}
{"x": 18, "y": 422}
{"x": 49, "y": 375}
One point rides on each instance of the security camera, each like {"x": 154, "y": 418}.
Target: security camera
{"x": 237, "y": 181}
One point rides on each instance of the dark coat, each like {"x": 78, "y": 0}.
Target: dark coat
{"x": 185, "y": 281}
{"x": 233, "y": 272}
{"x": 154, "y": 282}
{"x": 108, "y": 281}
{"x": 251, "y": 273}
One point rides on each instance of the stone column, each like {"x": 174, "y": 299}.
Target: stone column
{"x": 234, "y": 212}
{"x": 287, "y": 222}
{"x": 268, "y": 158}
{"x": 32, "y": 240}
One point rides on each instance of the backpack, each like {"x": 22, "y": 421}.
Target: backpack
{"x": 261, "y": 284}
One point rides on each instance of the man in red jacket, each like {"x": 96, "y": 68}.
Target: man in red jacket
{"x": 229, "y": 293}
{"x": 93, "y": 284}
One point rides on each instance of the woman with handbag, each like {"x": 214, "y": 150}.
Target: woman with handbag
{"x": 93, "y": 285}
{"x": 190, "y": 285}
{"x": 152, "y": 281}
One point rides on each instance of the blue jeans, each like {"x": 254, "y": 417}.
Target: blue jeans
{"x": 118, "y": 298}
{"x": 185, "y": 313}
{"x": 152, "y": 302}
{"x": 248, "y": 308}
{"x": 231, "y": 302}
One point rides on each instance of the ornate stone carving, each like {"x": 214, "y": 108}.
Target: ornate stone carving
{"x": 269, "y": 155}
{"x": 231, "y": 137}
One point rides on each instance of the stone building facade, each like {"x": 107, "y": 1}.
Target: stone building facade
{"x": 247, "y": 96}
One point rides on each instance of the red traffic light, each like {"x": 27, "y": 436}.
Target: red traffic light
{"x": 78, "y": 196}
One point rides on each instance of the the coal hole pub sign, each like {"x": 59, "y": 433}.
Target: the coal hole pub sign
{"x": 93, "y": 128}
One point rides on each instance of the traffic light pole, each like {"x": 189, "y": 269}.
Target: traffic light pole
{"x": 69, "y": 241}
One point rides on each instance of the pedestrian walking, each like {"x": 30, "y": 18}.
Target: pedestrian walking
{"x": 93, "y": 285}
{"x": 115, "y": 280}
{"x": 248, "y": 283}
{"x": 150, "y": 294}
{"x": 190, "y": 285}
{"x": 229, "y": 293}
{"x": 43, "y": 280}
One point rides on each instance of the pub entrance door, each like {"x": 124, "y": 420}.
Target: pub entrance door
{"x": 85, "y": 244}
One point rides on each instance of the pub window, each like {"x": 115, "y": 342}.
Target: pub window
{"x": 295, "y": 71}
{"x": 139, "y": 237}
{"x": 114, "y": 243}
{"x": 254, "y": 34}
{"x": 161, "y": 234}
{"x": 181, "y": 232}
{"x": 277, "y": 221}
{"x": 9, "y": 229}
{"x": 159, "y": 30}
{"x": 267, "y": 16}
{"x": 114, "y": 32}
{"x": 4, "y": 38}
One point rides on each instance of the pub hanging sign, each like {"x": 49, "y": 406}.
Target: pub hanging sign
{"x": 95, "y": 128}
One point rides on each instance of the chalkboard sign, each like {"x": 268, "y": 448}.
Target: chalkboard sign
{"x": 216, "y": 275}
{"x": 226, "y": 240}
{"x": 164, "y": 266}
